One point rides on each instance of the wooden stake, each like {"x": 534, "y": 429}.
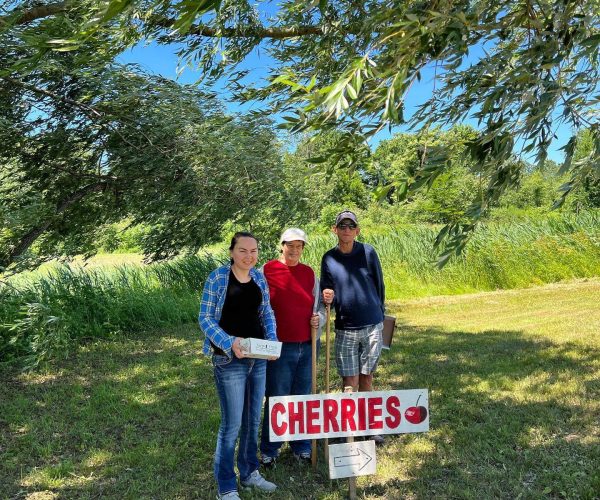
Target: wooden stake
{"x": 327, "y": 344}
{"x": 350, "y": 439}
{"x": 313, "y": 337}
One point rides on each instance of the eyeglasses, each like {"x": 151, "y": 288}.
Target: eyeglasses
{"x": 346, "y": 226}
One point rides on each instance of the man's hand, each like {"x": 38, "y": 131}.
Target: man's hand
{"x": 328, "y": 296}
{"x": 237, "y": 349}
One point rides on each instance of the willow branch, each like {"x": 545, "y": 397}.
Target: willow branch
{"x": 33, "y": 14}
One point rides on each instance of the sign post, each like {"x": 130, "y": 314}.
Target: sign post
{"x": 352, "y": 478}
{"x": 320, "y": 416}
{"x": 313, "y": 337}
{"x": 327, "y": 349}
{"x": 349, "y": 414}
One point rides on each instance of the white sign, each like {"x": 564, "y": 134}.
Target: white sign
{"x": 352, "y": 459}
{"x": 348, "y": 414}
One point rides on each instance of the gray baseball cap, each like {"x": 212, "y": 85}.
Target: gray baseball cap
{"x": 346, "y": 214}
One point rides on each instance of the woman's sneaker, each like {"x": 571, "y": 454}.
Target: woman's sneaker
{"x": 257, "y": 481}
{"x": 267, "y": 462}
{"x": 232, "y": 495}
{"x": 304, "y": 457}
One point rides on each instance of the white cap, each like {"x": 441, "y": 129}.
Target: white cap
{"x": 293, "y": 234}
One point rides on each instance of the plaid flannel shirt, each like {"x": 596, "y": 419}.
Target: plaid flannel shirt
{"x": 211, "y": 308}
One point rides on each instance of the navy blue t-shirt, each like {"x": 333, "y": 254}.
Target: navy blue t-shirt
{"x": 357, "y": 280}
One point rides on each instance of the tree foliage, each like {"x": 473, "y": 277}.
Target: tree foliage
{"x": 449, "y": 194}
{"x": 85, "y": 142}
{"x": 519, "y": 68}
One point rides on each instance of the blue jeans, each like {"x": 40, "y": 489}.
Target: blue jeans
{"x": 290, "y": 375}
{"x": 241, "y": 388}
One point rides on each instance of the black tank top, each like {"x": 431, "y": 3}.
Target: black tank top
{"x": 240, "y": 316}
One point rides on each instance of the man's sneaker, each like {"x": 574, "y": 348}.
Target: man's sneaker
{"x": 267, "y": 462}
{"x": 257, "y": 481}
{"x": 304, "y": 457}
{"x": 232, "y": 495}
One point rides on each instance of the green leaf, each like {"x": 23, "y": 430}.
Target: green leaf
{"x": 351, "y": 92}
{"x": 114, "y": 8}
{"x": 317, "y": 159}
{"x": 189, "y": 10}
{"x": 65, "y": 49}
{"x": 591, "y": 41}
{"x": 382, "y": 191}
{"x": 402, "y": 190}
{"x": 323, "y": 6}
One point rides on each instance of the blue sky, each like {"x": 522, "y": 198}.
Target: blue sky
{"x": 162, "y": 60}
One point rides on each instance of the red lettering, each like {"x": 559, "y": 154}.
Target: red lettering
{"x": 296, "y": 418}
{"x": 392, "y": 405}
{"x": 312, "y": 417}
{"x": 330, "y": 411}
{"x": 362, "y": 414}
{"x": 375, "y": 411}
{"x": 347, "y": 414}
{"x": 278, "y": 429}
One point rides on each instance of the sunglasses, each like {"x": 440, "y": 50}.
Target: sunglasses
{"x": 346, "y": 226}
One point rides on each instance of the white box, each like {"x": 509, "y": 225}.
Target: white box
{"x": 259, "y": 348}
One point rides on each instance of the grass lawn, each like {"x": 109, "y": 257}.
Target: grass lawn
{"x": 514, "y": 381}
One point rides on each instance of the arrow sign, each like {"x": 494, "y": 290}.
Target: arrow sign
{"x": 358, "y": 459}
{"x": 352, "y": 459}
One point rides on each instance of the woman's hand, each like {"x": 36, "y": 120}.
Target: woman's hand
{"x": 314, "y": 321}
{"x": 237, "y": 349}
{"x": 328, "y": 295}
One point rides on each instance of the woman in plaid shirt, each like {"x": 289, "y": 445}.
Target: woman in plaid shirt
{"x": 235, "y": 305}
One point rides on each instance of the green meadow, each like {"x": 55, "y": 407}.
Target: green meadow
{"x": 513, "y": 376}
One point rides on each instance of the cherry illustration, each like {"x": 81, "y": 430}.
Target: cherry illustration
{"x": 416, "y": 414}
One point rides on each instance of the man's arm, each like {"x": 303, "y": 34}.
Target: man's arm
{"x": 377, "y": 275}
{"x": 327, "y": 285}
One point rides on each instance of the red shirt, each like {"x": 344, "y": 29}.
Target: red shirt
{"x": 292, "y": 300}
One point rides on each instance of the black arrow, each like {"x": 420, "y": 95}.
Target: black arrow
{"x": 353, "y": 459}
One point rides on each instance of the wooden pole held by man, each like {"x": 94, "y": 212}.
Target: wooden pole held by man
{"x": 313, "y": 337}
{"x": 327, "y": 357}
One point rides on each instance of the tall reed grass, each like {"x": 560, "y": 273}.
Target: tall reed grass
{"x": 499, "y": 256}
{"x": 44, "y": 315}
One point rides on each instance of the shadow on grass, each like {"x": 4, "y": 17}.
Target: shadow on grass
{"x": 125, "y": 419}
{"x": 511, "y": 416}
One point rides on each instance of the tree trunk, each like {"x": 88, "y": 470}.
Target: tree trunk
{"x": 31, "y": 236}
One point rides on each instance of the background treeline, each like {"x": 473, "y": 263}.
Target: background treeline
{"x": 309, "y": 194}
